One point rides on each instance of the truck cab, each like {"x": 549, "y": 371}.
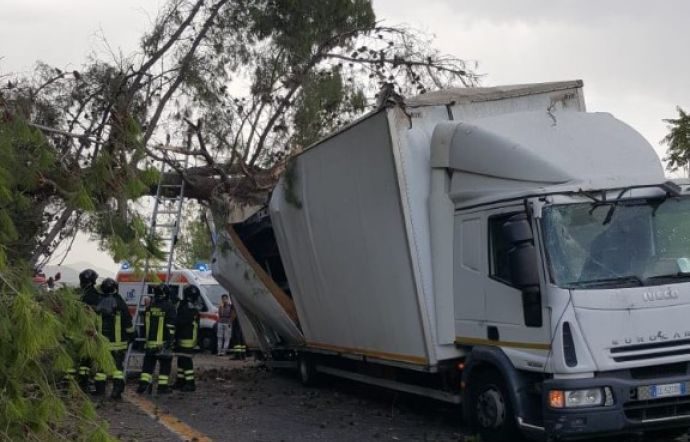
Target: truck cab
{"x": 570, "y": 272}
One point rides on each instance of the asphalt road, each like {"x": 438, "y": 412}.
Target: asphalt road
{"x": 243, "y": 401}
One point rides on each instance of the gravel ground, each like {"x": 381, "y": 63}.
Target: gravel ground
{"x": 245, "y": 402}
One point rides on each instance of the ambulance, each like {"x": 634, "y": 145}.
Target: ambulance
{"x": 131, "y": 285}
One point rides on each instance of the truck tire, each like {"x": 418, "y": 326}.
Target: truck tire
{"x": 306, "y": 371}
{"x": 490, "y": 408}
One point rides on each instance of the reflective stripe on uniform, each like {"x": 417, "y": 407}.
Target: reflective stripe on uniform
{"x": 159, "y": 332}
{"x": 114, "y": 346}
{"x": 100, "y": 377}
{"x": 69, "y": 374}
{"x": 118, "y": 374}
{"x": 118, "y": 329}
{"x": 162, "y": 379}
{"x": 147, "y": 325}
{"x": 84, "y": 371}
{"x": 189, "y": 375}
{"x": 187, "y": 343}
{"x": 145, "y": 377}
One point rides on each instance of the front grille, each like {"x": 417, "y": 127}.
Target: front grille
{"x": 641, "y": 357}
{"x": 641, "y": 352}
{"x": 657, "y": 408}
{"x": 650, "y": 346}
{"x": 659, "y": 371}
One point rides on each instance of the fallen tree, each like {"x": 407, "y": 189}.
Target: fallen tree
{"x": 238, "y": 87}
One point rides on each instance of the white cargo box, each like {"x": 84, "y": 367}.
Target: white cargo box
{"x": 351, "y": 218}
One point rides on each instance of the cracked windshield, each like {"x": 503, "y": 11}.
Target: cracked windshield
{"x": 629, "y": 243}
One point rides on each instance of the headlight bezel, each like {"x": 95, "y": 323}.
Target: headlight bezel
{"x": 568, "y": 399}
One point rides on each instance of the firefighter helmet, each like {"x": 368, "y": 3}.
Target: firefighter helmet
{"x": 87, "y": 278}
{"x": 109, "y": 286}
{"x": 191, "y": 293}
{"x": 161, "y": 292}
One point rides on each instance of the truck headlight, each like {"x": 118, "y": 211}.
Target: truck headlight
{"x": 589, "y": 397}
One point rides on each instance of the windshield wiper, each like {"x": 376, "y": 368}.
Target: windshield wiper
{"x": 671, "y": 276}
{"x": 604, "y": 282}
{"x": 671, "y": 189}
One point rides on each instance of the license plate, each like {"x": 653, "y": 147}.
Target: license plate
{"x": 668, "y": 390}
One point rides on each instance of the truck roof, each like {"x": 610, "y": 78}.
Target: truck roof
{"x": 523, "y": 153}
{"x": 478, "y": 94}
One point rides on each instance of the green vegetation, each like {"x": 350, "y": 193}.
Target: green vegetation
{"x": 678, "y": 141}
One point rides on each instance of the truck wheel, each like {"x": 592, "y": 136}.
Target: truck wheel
{"x": 491, "y": 409}
{"x": 306, "y": 371}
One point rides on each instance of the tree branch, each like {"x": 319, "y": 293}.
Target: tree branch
{"x": 184, "y": 67}
{"x": 52, "y": 234}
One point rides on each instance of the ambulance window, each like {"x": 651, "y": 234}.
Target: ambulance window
{"x": 174, "y": 290}
{"x": 499, "y": 267}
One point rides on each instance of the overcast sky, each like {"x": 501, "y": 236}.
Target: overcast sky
{"x": 631, "y": 54}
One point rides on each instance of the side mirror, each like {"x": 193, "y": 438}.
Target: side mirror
{"x": 522, "y": 256}
{"x": 522, "y": 259}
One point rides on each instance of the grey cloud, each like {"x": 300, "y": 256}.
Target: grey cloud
{"x": 569, "y": 11}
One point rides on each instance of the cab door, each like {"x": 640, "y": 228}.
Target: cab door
{"x": 514, "y": 315}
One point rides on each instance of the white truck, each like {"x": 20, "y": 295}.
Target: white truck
{"x": 131, "y": 284}
{"x": 501, "y": 248}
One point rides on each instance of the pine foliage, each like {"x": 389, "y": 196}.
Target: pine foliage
{"x": 42, "y": 335}
{"x": 678, "y": 141}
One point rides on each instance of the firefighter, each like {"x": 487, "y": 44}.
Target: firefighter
{"x": 91, "y": 297}
{"x": 115, "y": 324}
{"x": 159, "y": 332}
{"x": 87, "y": 282}
{"x": 186, "y": 332}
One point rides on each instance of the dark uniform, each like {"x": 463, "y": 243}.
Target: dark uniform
{"x": 186, "y": 334}
{"x": 115, "y": 324}
{"x": 239, "y": 348}
{"x": 159, "y": 331}
{"x": 90, "y": 296}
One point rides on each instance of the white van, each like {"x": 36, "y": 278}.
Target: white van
{"x": 131, "y": 285}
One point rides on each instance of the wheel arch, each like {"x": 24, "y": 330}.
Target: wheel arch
{"x": 485, "y": 357}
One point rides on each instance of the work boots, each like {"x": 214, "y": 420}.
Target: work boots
{"x": 84, "y": 383}
{"x": 180, "y": 382}
{"x": 144, "y": 387}
{"x": 100, "y": 388}
{"x": 189, "y": 386}
{"x": 118, "y": 388}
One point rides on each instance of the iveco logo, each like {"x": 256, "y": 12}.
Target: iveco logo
{"x": 660, "y": 295}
